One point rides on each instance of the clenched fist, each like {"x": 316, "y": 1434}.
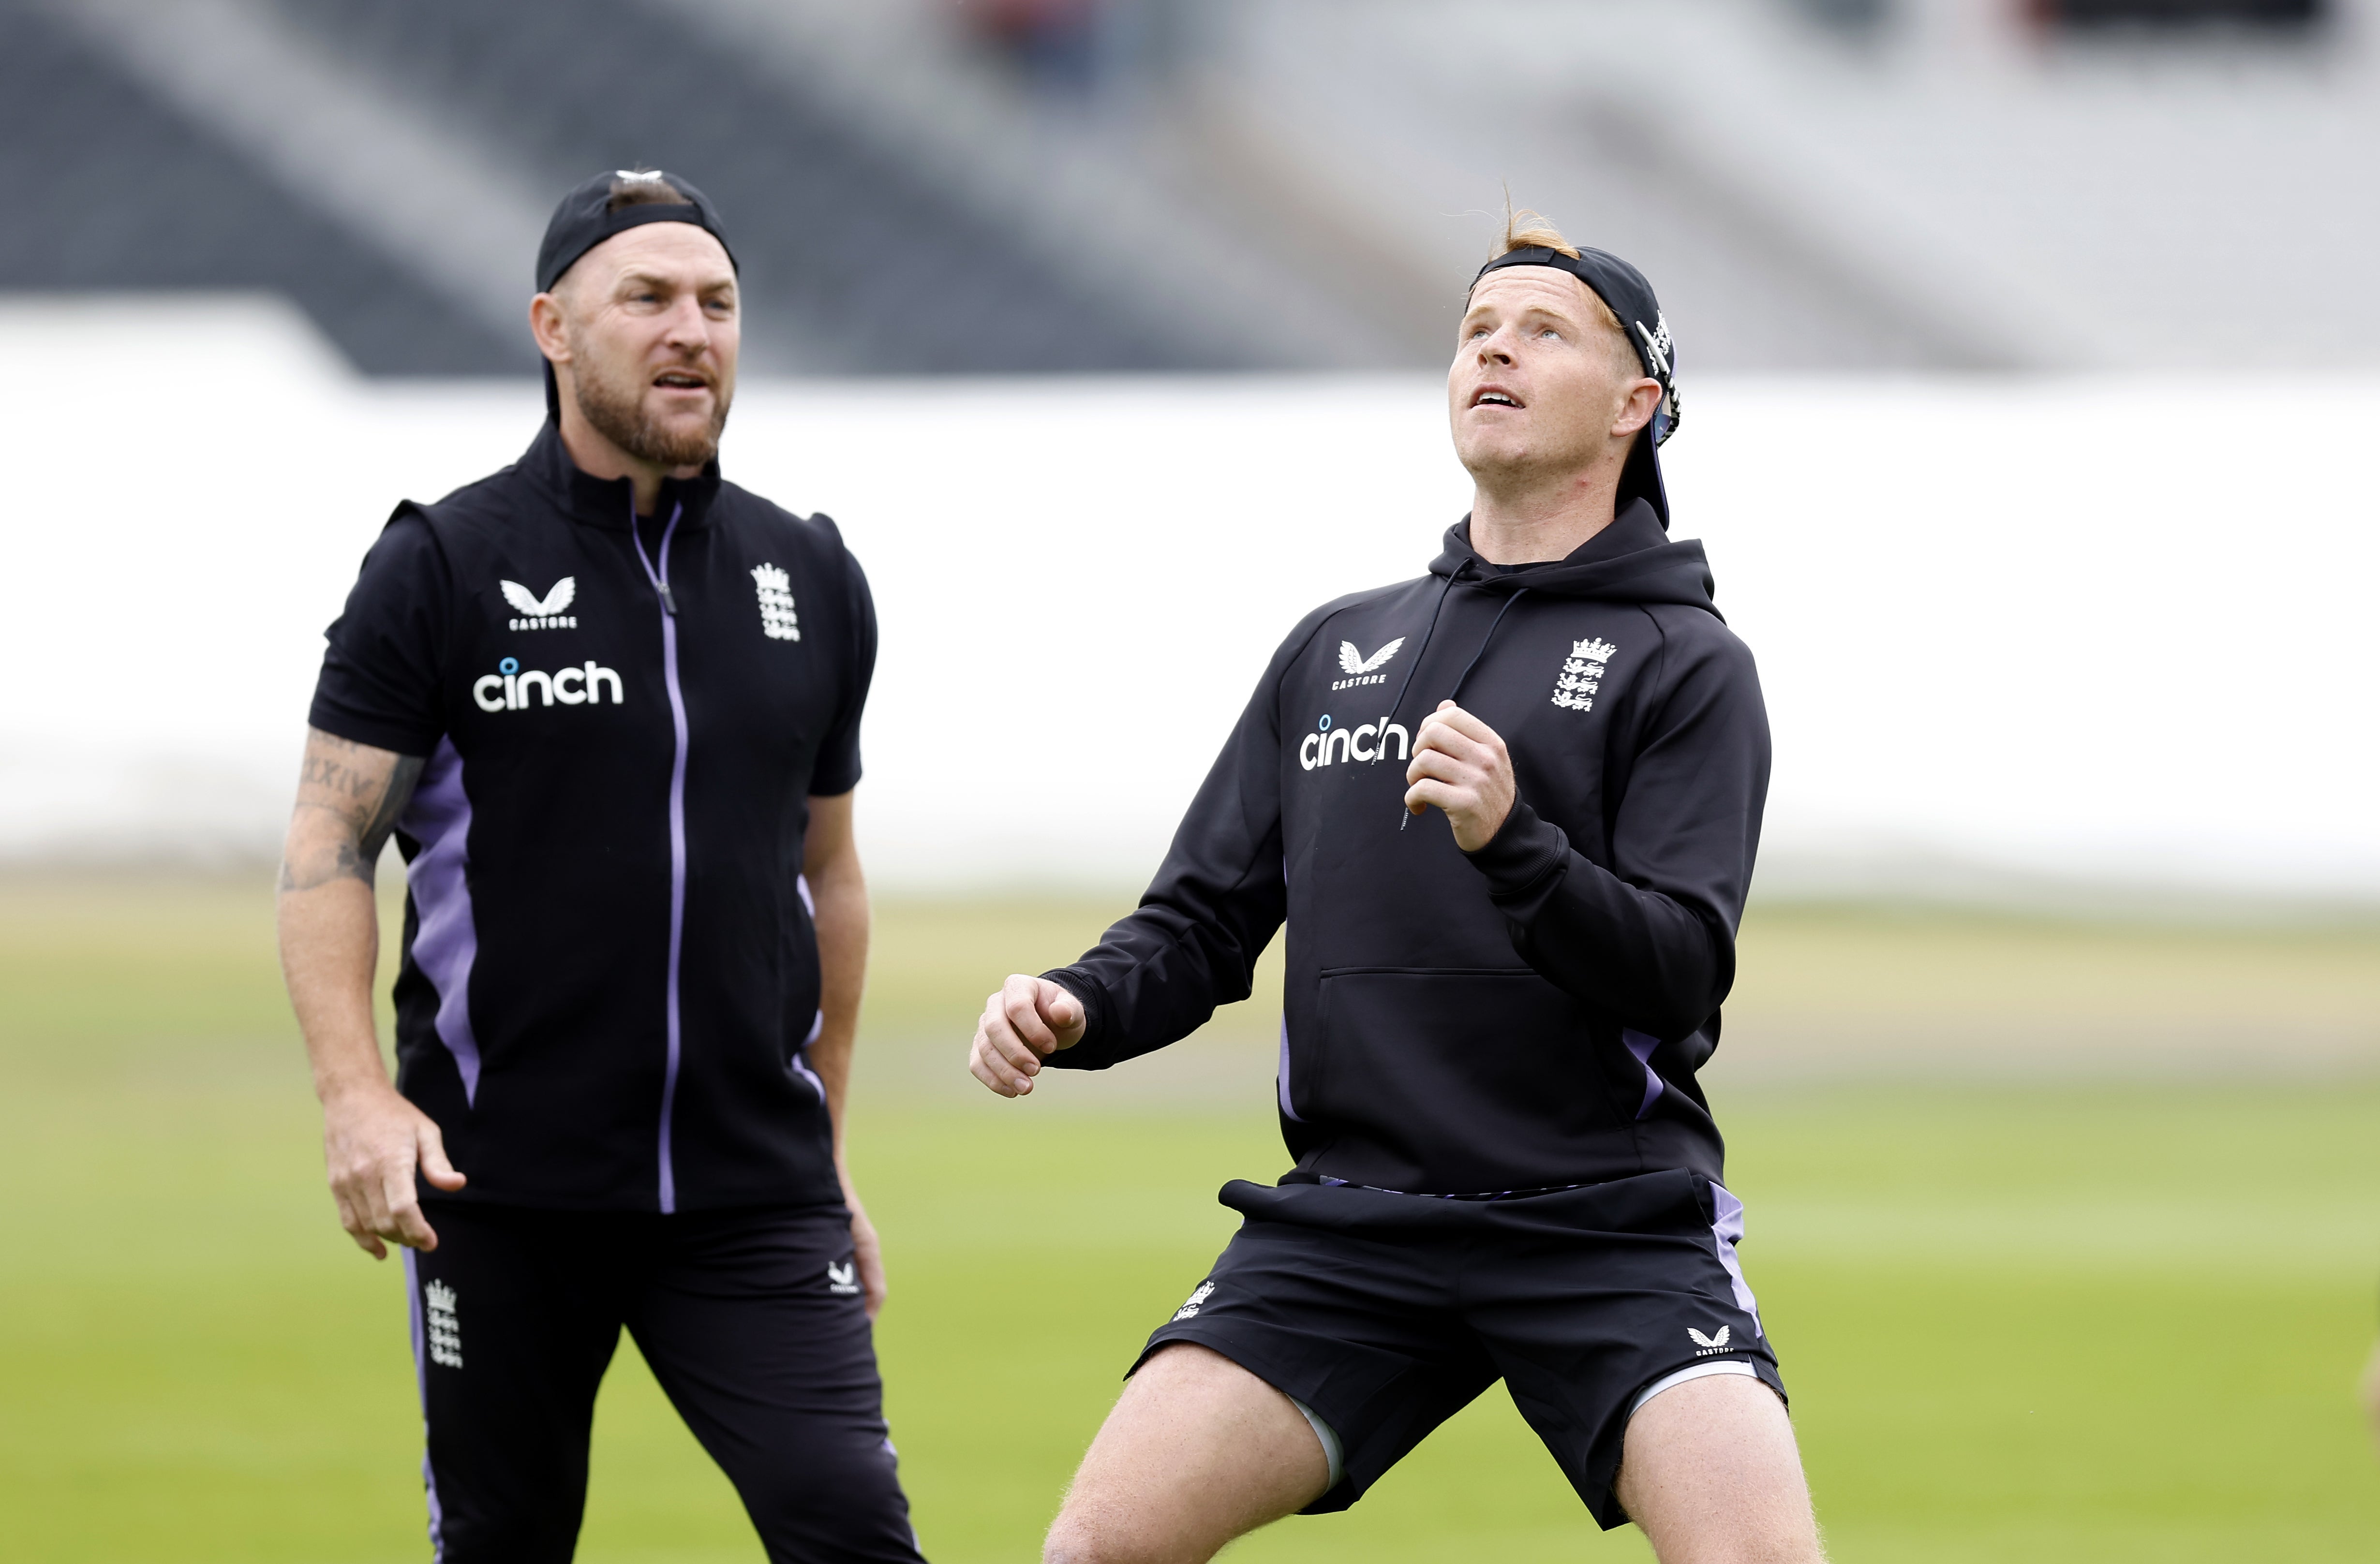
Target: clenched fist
{"x": 1028, "y": 1020}
{"x": 1462, "y": 766}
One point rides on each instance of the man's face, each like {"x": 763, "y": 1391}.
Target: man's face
{"x": 650, "y": 330}
{"x": 1540, "y": 379}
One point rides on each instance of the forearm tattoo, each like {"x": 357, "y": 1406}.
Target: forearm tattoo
{"x": 363, "y": 790}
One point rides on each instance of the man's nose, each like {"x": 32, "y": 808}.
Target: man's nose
{"x": 687, "y": 324}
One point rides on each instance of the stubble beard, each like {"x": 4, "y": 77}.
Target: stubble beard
{"x": 615, "y": 410}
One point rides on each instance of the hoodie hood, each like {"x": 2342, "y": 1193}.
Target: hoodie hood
{"x": 1630, "y": 561}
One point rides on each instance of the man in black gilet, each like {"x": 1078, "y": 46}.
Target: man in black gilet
{"x": 609, "y": 704}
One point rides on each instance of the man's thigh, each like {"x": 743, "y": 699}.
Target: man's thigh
{"x": 513, "y": 1328}
{"x": 1587, "y": 1298}
{"x": 1198, "y": 1451}
{"x": 1711, "y": 1471}
{"x": 1360, "y": 1330}
{"x": 756, "y": 1325}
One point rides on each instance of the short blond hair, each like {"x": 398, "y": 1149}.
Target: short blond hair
{"x": 1526, "y": 229}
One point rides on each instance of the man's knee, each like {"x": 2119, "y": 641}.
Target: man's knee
{"x": 1079, "y": 1537}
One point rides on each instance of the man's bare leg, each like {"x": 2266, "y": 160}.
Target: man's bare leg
{"x": 1712, "y": 1474}
{"x": 1197, "y": 1452}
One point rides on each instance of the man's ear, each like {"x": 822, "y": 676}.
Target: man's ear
{"x": 545, "y": 324}
{"x": 1644, "y": 398}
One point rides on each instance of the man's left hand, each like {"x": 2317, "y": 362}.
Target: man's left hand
{"x": 1459, "y": 764}
{"x": 866, "y": 1251}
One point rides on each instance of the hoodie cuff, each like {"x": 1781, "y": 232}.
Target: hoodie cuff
{"x": 1084, "y": 1054}
{"x": 1526, "y": 851}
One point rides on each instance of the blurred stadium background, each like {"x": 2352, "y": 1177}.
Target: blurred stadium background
{"x": 2031, "y": 360}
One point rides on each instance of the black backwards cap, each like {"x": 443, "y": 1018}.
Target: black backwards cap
{"x": 1630, "y": 298}
{"x": 587, "y": 217}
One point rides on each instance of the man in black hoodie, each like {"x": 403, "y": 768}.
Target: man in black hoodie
{"x": 1493, "y": 1015}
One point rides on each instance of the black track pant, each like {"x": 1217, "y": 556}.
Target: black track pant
{"x": 752, "y": 1320}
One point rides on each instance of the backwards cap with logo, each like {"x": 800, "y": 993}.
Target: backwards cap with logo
{"x": 587, "y": 217}
{"x": 1630, "y": 297}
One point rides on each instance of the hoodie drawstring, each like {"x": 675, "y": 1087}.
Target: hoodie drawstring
{"x": 1414, "y": 667}
{"x": 1410, "y": 668}
{"x": 1456, "y": 693}
{"x": 1404, "y": 816}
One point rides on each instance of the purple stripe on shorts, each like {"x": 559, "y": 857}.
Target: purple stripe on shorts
{"x": 1642, "y": 1044}
{"x": 445, "y": 942}
{"x": 1727, "y": 1231}
{"x": 421, "y": 1388}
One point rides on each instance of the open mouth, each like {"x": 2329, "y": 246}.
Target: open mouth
{"x": 682, "y": 380}
{"x": 1490, "y": 396}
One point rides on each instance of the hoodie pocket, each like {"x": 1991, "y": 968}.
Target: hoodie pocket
{"x": 1459, "y": 1079}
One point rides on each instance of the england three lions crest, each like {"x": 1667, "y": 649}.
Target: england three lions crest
{"x": 778, "y": 620}
{"x": 1582, "y": 673}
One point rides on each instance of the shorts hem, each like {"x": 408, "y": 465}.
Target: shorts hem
{"x": 1340, "y": 1494}
{"x": 1603, "y": 1466}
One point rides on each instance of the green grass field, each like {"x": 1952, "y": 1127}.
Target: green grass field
{"x": 2068, "y": 1236}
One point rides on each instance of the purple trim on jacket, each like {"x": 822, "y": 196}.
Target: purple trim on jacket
{"x": 659, "y": 576}
{"x": 445, "y": 941}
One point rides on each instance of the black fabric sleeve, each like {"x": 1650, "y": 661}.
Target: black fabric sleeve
{"x": 1650, "y": 942}
{"x": 837, "y": 769}
{"x": 1215, "y": 905}
{"x": 380, "y": 682}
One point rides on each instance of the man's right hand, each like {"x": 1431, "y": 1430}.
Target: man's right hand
{"x": 1028, "y": 1020}
{"x": 373, "y": 1141}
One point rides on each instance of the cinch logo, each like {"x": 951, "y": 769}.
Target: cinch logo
{"x": 545, "y": 613}
{"x": 507, "y": 689}
{"x": 1329, "y": 744}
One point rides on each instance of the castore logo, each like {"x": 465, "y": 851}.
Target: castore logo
{"x": 1362, "y": 670}
{"x": 545, "y": 613}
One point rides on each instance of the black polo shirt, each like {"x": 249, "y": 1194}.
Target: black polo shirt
{"x": 610, "y": 969}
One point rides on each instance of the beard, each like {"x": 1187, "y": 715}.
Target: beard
{"x": 614, "y": 407}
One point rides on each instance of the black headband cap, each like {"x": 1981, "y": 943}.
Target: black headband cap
{"x": 1630, "y": 298}
{"x": 587, "y": 217}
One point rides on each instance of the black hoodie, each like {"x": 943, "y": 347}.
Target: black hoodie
{"x": 1525, "y": 1016}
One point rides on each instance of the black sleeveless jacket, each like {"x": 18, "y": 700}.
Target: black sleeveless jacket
{"x": 610, "y": 968}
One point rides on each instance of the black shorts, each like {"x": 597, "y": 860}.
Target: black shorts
{"x": 752, "y": 1320}
{"x": 1386, "y": 1313}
